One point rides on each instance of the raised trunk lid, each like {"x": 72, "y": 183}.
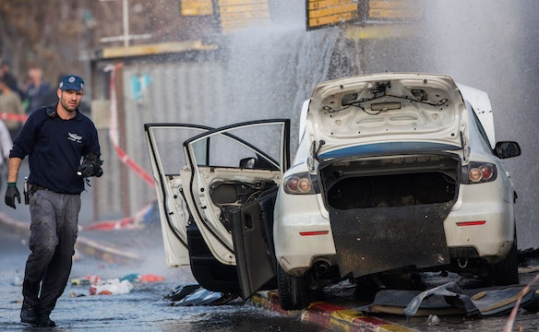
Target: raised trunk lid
{"x": 389, "y": 107}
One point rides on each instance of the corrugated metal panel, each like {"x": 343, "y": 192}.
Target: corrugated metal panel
{"x": 175, "y": 92}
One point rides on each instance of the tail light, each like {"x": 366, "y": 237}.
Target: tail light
{"x": 478, "y": 172}
{"x": 300, "y": 184}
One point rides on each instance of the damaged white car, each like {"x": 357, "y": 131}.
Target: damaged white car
{"x": 395, "y": 172}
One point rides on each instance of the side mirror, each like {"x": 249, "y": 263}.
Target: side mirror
{"x": 249, "y": 163}
{"x": 507, "y": 149}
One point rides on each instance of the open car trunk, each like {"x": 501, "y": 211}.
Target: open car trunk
{"x": 387, "y": 212}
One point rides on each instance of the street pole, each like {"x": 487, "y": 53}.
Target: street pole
{"x": 126, "y": 22}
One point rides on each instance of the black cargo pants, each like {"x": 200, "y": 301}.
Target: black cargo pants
{"x": 53, "y": 233}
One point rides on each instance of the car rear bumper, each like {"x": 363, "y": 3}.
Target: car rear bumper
{"x": 301, "y": 232}
{"x": 485, "y": 222}
{"x": 482, "y": 219}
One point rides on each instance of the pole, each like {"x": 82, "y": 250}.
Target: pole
{"x": 126, "y": 22}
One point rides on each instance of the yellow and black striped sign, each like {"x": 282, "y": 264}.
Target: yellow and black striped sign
{"x": 196, "y": 7}
{"x": 232, "y": 14}
{"x": 238, "y": 14}
{"x": 330, "y": 12}
{"x": 395, "y": 9}
{"x": 321, "y": 13}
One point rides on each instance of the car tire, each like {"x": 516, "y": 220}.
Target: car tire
{"x": 293, "y": 290}
{"x": 506, "y": 272}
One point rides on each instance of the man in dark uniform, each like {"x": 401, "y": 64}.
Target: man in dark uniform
{"x": 55, "y": 138}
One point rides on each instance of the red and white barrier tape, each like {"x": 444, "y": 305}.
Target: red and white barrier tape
{"x": 13, "y": 117}
{"x": 113, "y": 132}
{"x": 124, "y": 223}
{"x": 128, "y": 222}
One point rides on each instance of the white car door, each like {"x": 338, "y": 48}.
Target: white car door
{"x": 231, "y": 168}
{"x": 167, "y": 159}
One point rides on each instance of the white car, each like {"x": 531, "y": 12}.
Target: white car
{"x": 395, "y": 172}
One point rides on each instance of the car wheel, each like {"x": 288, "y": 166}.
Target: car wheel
{"x": 506, "y": 272}
{"x": 293, "y": 291}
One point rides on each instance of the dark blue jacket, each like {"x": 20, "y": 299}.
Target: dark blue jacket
{"x": 55, "y": 148}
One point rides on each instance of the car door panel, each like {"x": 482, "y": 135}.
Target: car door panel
{"x": 253, "y": 244}
{"x": 166, "y": 159}
{"x": 234, "y": 204}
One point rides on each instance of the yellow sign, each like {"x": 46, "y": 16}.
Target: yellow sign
{"x": 329, "y": 12}
{"x": 161, "y": 48}
{"x": 238, "y": 14}
{"x": 380, "y": 31}
{"x": 395, "y": 9}
{"x": 196, "y": 7}
{"x": 322, "y": 13}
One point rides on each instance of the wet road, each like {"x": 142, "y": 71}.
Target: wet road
{"x": 143, "y": 309}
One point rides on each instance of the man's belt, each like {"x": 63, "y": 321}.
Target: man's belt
{"x": 35, "y": 187}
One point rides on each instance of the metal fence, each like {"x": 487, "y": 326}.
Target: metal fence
{"x": 183, "y": 92}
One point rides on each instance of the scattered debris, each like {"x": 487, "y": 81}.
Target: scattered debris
{"x": 451, "y": 299}
{"x": 132, "y": 278}
{"x": 192, "y": 294}
{"x": 111, "y": 287}
{"x": 17, "y": 281}
{"x": 80, "y": 282}
{"x": 151, "y": 278}
{"x": 114, "y": 286}
{"x": 178, "y": 293}
{"x": 433, "y": 320}
{"x": 528, "y": 260}
{"x": 87, "y": 280}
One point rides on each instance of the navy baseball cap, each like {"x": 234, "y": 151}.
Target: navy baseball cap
{"x": 71, "y": 82}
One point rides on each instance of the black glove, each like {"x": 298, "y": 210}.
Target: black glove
{"x": 91, "y": 166}
{"x": 11, "y": 193}
{"x": 86, "y": 170}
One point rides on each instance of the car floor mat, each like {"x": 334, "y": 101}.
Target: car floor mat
{"x": 200, "y": 297}
{"x": 181, "y": 291}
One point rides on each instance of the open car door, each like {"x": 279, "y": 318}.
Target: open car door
{"x": 235, "y": 171}
{"x": 167, "y": 158}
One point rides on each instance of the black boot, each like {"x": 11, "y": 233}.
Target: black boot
{"x": 28, "y": 314}
{"x": 45, "y": 321}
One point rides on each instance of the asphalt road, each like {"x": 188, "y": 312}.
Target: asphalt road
{"x": 143, "y": 309}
